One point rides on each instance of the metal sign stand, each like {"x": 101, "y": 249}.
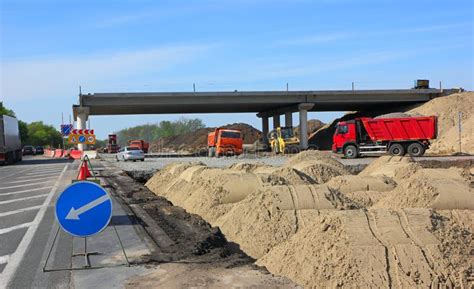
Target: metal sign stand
{"x": 85, "y": 253}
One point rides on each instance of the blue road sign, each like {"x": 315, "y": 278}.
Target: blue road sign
{"x": 84, "y": 209}
{"x": 82, "y": 138}
{"x": 66, "y": 129}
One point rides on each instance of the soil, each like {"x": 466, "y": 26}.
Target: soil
{"x": 191, "y": 252}
{"x": 196, "y": 142}
{"x": 392, "y": 225}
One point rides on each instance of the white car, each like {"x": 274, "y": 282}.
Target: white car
{"x": 130, "y": 154}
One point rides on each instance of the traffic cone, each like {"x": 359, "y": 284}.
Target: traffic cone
{"x": 84, "y": 172}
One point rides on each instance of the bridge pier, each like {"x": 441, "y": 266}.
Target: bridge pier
{"x": 276, "y": 121}
{"x": 81, "y": 119}
{"x": 303, "y": 112}
{"x": 265, "y": 130}
{"x": 289, "y": 119}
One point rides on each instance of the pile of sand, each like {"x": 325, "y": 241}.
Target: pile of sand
{"x": 270, "y": 216}
{"x": 196, "y": 141}
{"x": 443, "y": 189}
{"x": 319, "y": 166}
{"x": 447, "y": 109}
{"x": 391, "y": 166}
{"x": 376, "y": 249}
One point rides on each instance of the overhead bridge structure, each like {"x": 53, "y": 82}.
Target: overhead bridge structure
{"x": 265, "y": 104}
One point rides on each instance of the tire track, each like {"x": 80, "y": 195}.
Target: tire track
{"x": 386, "y": 249}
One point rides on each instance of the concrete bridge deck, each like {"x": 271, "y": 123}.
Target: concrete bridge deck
{"x": 265, "y": 103}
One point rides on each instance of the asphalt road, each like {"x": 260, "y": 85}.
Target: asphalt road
{"x": 28, "y": 192}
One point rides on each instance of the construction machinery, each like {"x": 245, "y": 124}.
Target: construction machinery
{"x": 112, "y": 145}
{"x": 10, "y": 143}
{"x": 140, "y": 144}
{"x": 224, "y": 142}
{"x": 397, "y": 136}
{"x": 283, "y": 140}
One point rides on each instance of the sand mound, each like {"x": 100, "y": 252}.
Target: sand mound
{"x": 351, "y": 183}
{"x": 282, "y": 176}
{"x": 391, "y": 166}
{"x": 269, "y": 216}
{"x": 247, "y": 167}
{"x": 374, "y": 249}
{"x": 447, "y": 109}
{"x": 431, "y": 188}
{"x": 320, "y": 171}
{"x": 312, "y": 155}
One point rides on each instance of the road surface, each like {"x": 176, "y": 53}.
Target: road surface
{"x": 28, "y": 191}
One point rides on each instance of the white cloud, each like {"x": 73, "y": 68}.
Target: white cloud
{"x": 317, "y": 39}
{"x": 52, "y": 76}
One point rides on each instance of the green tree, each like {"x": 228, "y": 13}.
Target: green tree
{"x": 23, "y": 127}
{"x": 6, "y": 111}
{"x": 40, "y": 134}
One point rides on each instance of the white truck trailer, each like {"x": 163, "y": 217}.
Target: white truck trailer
{"x": 10, "y": 143}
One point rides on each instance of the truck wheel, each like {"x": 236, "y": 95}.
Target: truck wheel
{"x": 350, "y": 152}
{"x": 396, "y": 150}
{"x": 416, "y": 149}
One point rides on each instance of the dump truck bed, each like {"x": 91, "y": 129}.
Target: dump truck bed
{"x": 409, "y": 128}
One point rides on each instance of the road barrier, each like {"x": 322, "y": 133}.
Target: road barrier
{"x": 75, "y": 154}
{"x": 58, "y": 153}
{"x": 48, "y": 153}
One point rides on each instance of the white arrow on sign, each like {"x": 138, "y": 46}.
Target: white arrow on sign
{"x": 74, "y": 213}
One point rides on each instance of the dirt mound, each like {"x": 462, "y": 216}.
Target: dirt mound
{"x": 312, "y": 155}
{"x": 313, "y": 126}
{"x": 196, "y": 141}
{"x": 447, "y": 109}
{"x": 350, "y": 183}
{"x": 282, "y": 176}
{"x": 443, "y": 189}
{"x": 391, "y": 166}
{"x": 376, "y": 248}
{"x": 271, "y": 215}
{"x": 320, "y": 171}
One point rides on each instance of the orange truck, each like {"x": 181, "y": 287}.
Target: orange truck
{"x": 141, "y": 144}
{"x": 224, "y": 142}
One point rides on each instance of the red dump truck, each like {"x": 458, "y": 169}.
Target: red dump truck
{"x": 397, "y": 136}
{"x": 141, "y": 144}
{"x": 225, "y": 142}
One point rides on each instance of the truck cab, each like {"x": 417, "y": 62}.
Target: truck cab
{"x": 224, "y": 142}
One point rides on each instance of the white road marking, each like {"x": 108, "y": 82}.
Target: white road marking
{"x": 9, "y": 229}
{"x": 23, "y": 199}
{"x": 31, "y": 180}
{"x": 4, "y": 259}
{"x": 37, "y": 176}
{"x": 25, "y": 191}
{"x": 19, "y": 211}
{"x": 17, "y": 256}
{"x": 19, "y": 186}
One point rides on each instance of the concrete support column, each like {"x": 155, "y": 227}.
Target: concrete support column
{"x": 276, "y": 121}
{"x": 265, "y": 129}
{"x": 81, "y": 114}
{"x": 289, "y": 119}
{"x": 303, "y": 111}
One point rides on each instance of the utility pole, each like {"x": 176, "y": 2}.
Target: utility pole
{"x": 460, "y": 130}
{"x": 194, "y": 87}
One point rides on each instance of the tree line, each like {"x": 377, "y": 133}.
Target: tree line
{"x": 35, "y": 133}
{"x": 153, "y": 132}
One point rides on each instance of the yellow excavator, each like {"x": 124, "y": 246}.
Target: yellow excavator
{"x": 283, "y": 140}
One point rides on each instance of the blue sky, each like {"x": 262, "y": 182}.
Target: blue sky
{"x": 49, "y": 48}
